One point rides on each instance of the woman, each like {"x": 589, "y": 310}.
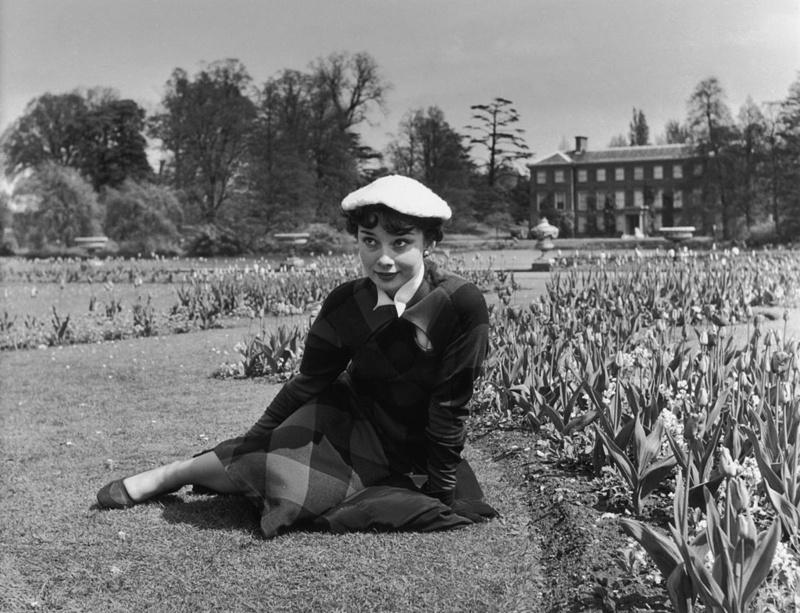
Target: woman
{"x": 386, "y": 375}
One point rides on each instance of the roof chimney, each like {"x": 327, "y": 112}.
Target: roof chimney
{"x": 581, "y": 144}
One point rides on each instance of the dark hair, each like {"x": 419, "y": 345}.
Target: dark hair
{"x": 392, "y": 221}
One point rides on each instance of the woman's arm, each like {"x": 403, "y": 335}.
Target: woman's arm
{"x": 324, "y": 359}
{"x": 447, "y": 416}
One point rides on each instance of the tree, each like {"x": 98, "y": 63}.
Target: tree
{"x": 639, "y": 134}
{"x": 116, "y": 148}
{"x": 712, "y": 129}
{"x": 495, "y": 130}
{"x": 143, "y": 217}
{"x": 8, "y": 240}
{"x": 346, "y": 89}
{"x": 749, "y": 154}
{"x": 51, "y": 129}
{"x": 280, "y": 171}
{"x": 787, "y": 164}
{"x": 205, "y": 127}
{"x": 64, "y": 206}
{"x": 306, "y": 152}
{"x": 618, "y": 141}
{"x": 430, "y": 151}
{"x": 676, "y": 134}
{"x": 94, "y": 132}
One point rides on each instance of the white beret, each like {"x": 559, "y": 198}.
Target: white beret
{"x": 403, "y": 194}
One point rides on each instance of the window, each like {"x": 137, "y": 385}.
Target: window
{"x": 619, "y": 199}
{"x": 697, "y": 196}
{"x": 581, "y": 225}
{"x": 638, "y": 173}
{"x": 638, "y": 198}
{"x": 658, "y": 172}
{"x": 541, "y": 198}
{"x": 677, "y": 199}
{"x": 583, "y": 201}
{"x": 559, "y": 176}
{"x": 658, "y": 198}
{"x": 601, "y": 174}
{"x": 698, "y": 170}
{"x": 619, "y": 174}
{"x": 600, "y": 200}
{"x": 677, "y": 171}
{"x": 561, "y": 200}
{"x": 582, "y": 175}
{"x": 541, "y": 177}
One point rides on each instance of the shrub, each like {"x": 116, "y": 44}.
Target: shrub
{"x": 144, "y": 218}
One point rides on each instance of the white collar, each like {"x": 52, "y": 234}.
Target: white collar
{"x": 403, "y": 295}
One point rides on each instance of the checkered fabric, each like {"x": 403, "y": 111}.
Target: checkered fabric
{"x": 323, "y": 453}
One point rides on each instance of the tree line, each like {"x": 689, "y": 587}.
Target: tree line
{"x": 227, "y": 162}
{"x": 237, "y": 162}
{"x": 750, "y": 186}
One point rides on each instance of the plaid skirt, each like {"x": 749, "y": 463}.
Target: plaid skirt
{"x": 324, "y": 452}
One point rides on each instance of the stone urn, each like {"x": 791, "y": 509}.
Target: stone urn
{"x": 544, "y": 233}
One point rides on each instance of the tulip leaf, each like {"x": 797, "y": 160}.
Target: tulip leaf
{"x": 760, "y": 562}
{"x": 580, "y": 422}
{"x": 554, "y": 417}
{"x": 663, "y": 551}
{"x": 680, "y": 589}
{"x": 620, "y": 459}
{"x": 655, "y": 474}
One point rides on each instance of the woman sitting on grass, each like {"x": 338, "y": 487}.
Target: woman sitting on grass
{"x": 382, "y": 393}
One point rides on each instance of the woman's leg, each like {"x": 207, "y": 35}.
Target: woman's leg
{"x": 205, "y": 469}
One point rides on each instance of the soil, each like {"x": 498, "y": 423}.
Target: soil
{"x": 573, "y": 518}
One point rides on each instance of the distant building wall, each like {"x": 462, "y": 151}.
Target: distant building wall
{"x": 615, "y": 191}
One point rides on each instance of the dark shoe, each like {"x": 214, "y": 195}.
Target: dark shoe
{"x": 115, "y": 496}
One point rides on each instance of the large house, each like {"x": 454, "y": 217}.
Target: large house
{"x": 615, "y": 191}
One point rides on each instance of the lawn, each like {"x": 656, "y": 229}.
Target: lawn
{"x": 78, "y": 416}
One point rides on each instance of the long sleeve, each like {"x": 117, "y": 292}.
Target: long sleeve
{"x": 324, "y": 359}
{"x": 447, "y": 415}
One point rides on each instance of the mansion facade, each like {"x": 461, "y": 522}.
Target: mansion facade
{"x": 615, "y": 191}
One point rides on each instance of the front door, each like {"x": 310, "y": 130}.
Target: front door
{"x": 632, "y": 224}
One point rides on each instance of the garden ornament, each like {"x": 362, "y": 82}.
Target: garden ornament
{"x": 544, "y": 232}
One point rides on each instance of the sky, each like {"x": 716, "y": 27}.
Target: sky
{"x": 570, "y": 67}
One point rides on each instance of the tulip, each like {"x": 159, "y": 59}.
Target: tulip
{"x": 780, "y": 362}
{"x": 702, "y": 397}
{"x": 694, "y": 426}
{"x": 784, "y": 392}
{"x": 746, "y": 528}
{"x": 740, "y": 496}
{"x": 727, "y": 467}
{"x": 743, "y": 361}
{"x": 702, "y": 364}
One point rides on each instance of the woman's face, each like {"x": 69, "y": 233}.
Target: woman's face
{"x": 391, "y": 260}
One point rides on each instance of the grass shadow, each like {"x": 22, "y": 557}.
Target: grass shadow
{"x": 227, "y": 513}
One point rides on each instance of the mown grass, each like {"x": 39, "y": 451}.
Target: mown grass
{"x": 76, "y": 417}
